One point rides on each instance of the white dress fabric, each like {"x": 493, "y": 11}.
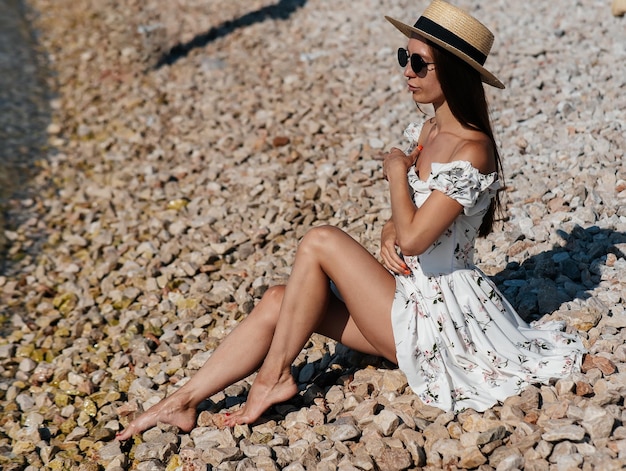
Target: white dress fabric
{"x": 460, "y": 344}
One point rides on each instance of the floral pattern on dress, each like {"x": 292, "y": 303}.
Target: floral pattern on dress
{"x": 412, "y": 133}
{"x": 458, "y": 340}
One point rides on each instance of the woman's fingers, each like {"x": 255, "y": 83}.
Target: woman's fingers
{"x": 392, "y": 156}
{"x": 393, "y": 261}
{"x": 415, "y": 153}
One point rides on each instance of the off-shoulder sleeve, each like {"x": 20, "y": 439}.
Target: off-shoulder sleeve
{"x": 412, "y": 134}
{"x": 464, "y": 183}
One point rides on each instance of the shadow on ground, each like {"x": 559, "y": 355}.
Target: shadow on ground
{"x": 279, "y": 11}
{"x": 24, "y": 112}
{"x": 543, "y": 282}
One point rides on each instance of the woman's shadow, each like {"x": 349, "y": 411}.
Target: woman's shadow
{"x": 280, "y": 11}
{"x": 544, "y": 282}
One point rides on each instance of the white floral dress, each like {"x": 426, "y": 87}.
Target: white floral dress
{"x": 459, "y": 342}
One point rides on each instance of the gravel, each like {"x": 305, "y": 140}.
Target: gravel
{"x": 196, "y": 142}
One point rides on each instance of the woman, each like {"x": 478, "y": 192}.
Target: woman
{"x": 428, "y": 309}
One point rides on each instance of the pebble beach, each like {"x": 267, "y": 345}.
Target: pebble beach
{"x": 193, "y": 143}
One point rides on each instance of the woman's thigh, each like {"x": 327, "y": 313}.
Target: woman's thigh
{"x": 363, "y": 320}
{"x": 339, "y": 326}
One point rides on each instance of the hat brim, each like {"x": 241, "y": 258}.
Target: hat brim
{"x": 409, "y": 31}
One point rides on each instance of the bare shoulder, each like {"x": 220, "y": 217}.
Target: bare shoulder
{"x": 426, "y": 129}
{"x": 479, "y": 151}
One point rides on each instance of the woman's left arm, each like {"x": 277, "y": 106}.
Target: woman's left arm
{"x": 417, "y": 229}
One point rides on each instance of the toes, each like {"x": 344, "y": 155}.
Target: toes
{"x": 136, "y": 426}
{"x": 240, "y": 420}
{"x": 230, "y": 421}
{"x": 125, "y": 434}
{"x": 234, "y": 418}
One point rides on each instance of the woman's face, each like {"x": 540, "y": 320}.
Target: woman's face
{"x": 423, "y": 84}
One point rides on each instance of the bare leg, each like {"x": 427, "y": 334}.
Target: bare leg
{"x": 368, "y": 291}
{"x": 367, "y": 288}
{"x": 227, "y": 365}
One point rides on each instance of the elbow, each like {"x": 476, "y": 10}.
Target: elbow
{"x": 412, "y": 247}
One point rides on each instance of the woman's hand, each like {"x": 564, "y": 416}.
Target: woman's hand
{"x": 396, "y": 160}
{"x": 388, "y": 250}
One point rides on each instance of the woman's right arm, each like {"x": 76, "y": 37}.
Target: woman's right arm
{"x": 388, "y": 250}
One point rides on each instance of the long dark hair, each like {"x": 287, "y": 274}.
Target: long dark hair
{"x": 464, "y": 92}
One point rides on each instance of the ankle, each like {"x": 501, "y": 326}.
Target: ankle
{"x": 274, "y": 376}
{"x": 184, "y": 399}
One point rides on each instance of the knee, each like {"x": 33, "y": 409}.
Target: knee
{"x": 269, "y": 306}
{"x": 318, "y": 238}
{"x": 274, "y": 295}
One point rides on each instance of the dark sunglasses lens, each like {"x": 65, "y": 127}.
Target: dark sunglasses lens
{"x": 417, "y": 63}
{"x": 403, "y": 57}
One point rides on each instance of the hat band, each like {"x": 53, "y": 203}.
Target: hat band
{"x": 430, "y": 27}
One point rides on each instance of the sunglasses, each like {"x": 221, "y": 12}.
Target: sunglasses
{"x": 418, "y": 64}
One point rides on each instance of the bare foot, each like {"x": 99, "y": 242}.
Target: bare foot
{"x": 172, "y": 410}
{"x": 261, "y": 397}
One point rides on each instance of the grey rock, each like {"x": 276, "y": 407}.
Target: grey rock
{"x": 343, "y": 432}
{"x": 111, "y": 452}
{"x": 387, "y": 422}
{"x": 217, "y": 455}
{"x": 151, "y": 465}
{"x": 159, "y": 449}
{"x": 205, "y": 437}
{"x": 565, "y": 432}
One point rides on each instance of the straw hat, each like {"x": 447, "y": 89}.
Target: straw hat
{"x": 456, "y": 31}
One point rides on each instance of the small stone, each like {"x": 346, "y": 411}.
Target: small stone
{"x": 583, "y": 388}
{"x": 343, "y": 432}
{"x": 280, "y": 141}
{"x": 387, "y": 422}
{"x": 605, "y": 365}
{"x": 27, "y": 365}
{"x": 471, "y": 458}
{"x": 393, "y": 459}
{"x": 76, "y": 434}
{"x": 24, "y": 447}
{"x": 110, "y": 451}
{"x": 491, "y": 435}
{"x": 160, "y": 448}
{"x": 216, "y": 456}
{"x": 567, "y": 432}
